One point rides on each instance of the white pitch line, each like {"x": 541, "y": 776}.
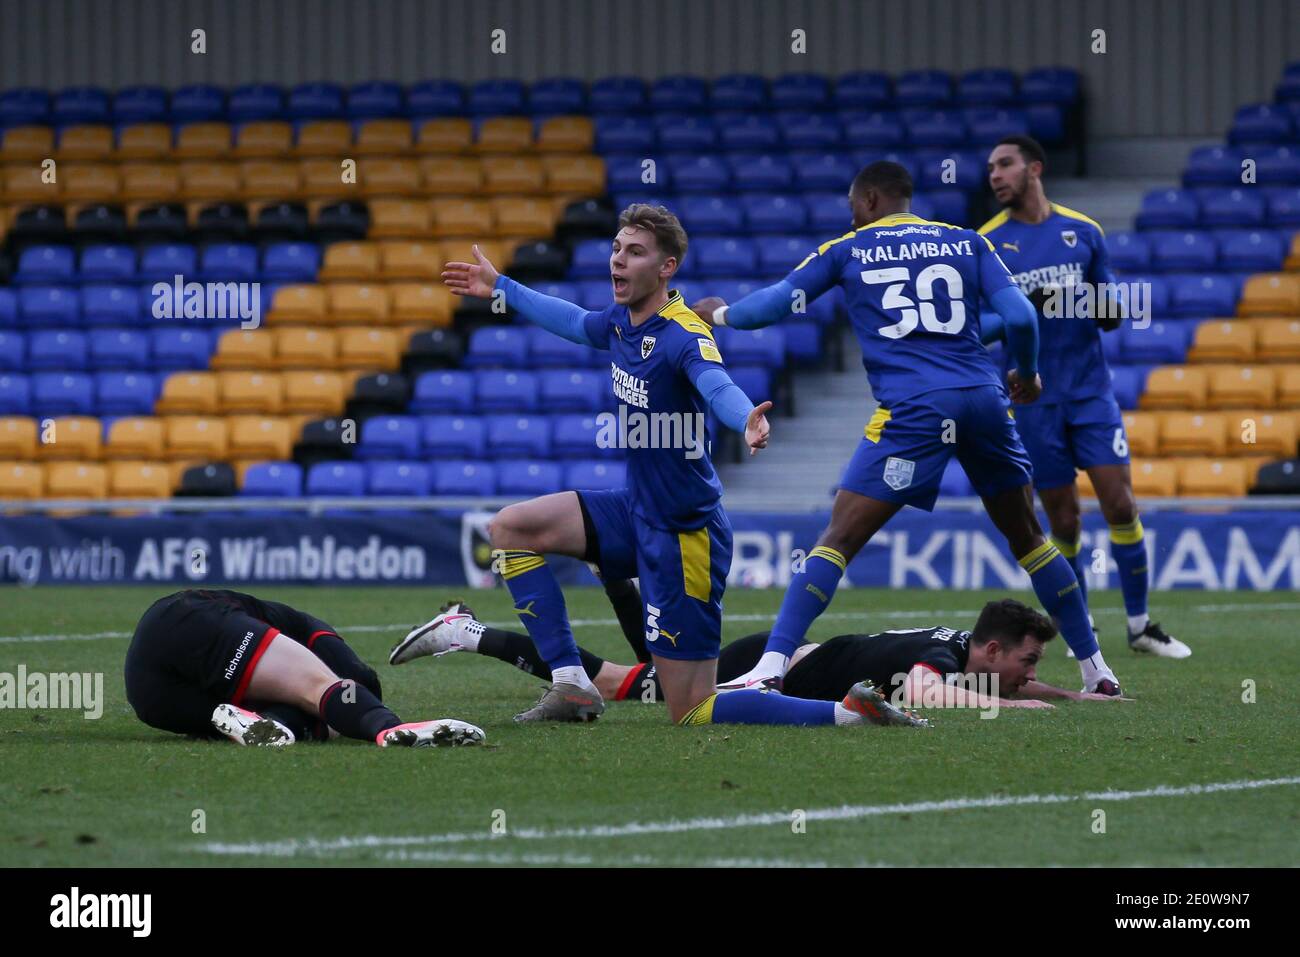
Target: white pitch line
{"x": 315, "y": 847}
{"x": 606, "y": 622}
{"x": 586, "y": 860}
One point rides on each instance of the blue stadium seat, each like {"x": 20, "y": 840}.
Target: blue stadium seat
{"x": 1050, "y": 85}
{"x": 336, "y": 480}
{"x": 49, "y": 307}
{"x": 625, "y": 134}
{"x": 738, "y": 91}
{"x": 24, "y": 106}
{"x": 722, "y": 257}
{"x": 528, "y": 478}
{"x": 125, "y": 393}
{"x": 698, "y": 174}
{"x": 557, "y": 96}
{"x": 617, "y": 94}
{"x": 291, "y": 262}
{"x": 1128, "y": 383}
{"x": 681, "y": 133}
{"x": 314, "y": 101}
{"x": 864, "y": 90}
{"x": 935, "y": 128}
{"x": 955, "y": 483}
{"x": 228, "y": 262}
{"x": 8, "y": 309}
{"x": 810, "y": 131}
{"x": 573, "y": 390}
{"x": 1129, "y": 252}
{"x": 595, "y": 294}
{"x": 881, "y": 129}
{"x": 679, "y": 93}
{"x": 989, "y": 125}
{"x": 624, "y": 172}
{"x": 497, "y": 98}
{"x": 197, "y": 103}
{"x": 1278, "y": 166}
{"x": 180, "y": 349}
{"x": 255, "y": 101}
{"x": 1233, "y": 207}
{"x": 754, "y": 381}
{"x": 389, "y": 437}
{"x": 590, "y": 258}
{"x": 549, "y": 351}
{"x": 1168, "y": 209}
{"x": 375, "y": 100}
{"x": 109, "y": 263}
{"x": 1214, "y": 166}
{"x": 1046, "y": 123}
{"x": 498, "y": 346}
{"x": 756, "y": 347}
{"x": 501, "y": 390}
{"x": 948, "y": 170}
{"x": 272, "y": 480}
{"x": 13, "y": 351}
{"x": 760, "y": 171}
{"x": 1157, "y": 289}
{"x": 704, "y": 214}
{"x": 773, "y": 213}
{"x": 399, "y": 478}
{"x": 62, "y": 393}
{"x": 1202, "y": 296}
{"x": 803, "y": 343}
{"x": 446, "y": 391}
{"x": 58, "y": 350}
{"x": 81, "y": 104}
{"x": 986, "y": 88}
{"x": 15, "y": 394}
{"x": 164, "y": 261}
{"x": 1160, "y": 343}
{"x": 140, "y": 104}
{"x": 453, "y": 437}
{"x": 1183, "y": 251}
{"x": 749, "y": 131}
{"x": 904, "y": 158}
{"x": 942, "y": 206}
{"x": 800, "y": 91}
{"x": 828, "y": 216}
{"x": 575, "y": 437}
{"x": 111, "y": 305}
{"x": 832, "y": 171}
{"x": 777, "y": 255}
{"x": 1283, "y": 207}
{"x": 1251, "y": 251}
{"x": 462, "y": 477}
{"x": 923, "y": 88}
{"x": 45, "y": 264}
{"x": 518, "y": 436}
{"x": 431, "y": 98}
{"x": 595, "y": 476}
{"x": 1261, "y": 123}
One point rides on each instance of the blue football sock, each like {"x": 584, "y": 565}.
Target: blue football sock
{"x": 1073, "y": 552}
{"x": 811, "y": 590}
{"x": 1130, "y": 552}
{"x": 1058, "y": 592}
{"x": 760, "y": 707}
{"x": 539, "y": 604}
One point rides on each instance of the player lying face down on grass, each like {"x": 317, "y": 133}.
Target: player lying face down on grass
{"x": 667, "y": 528}
{"x": 220, "y": 663}
{"x": 916, "y": 665}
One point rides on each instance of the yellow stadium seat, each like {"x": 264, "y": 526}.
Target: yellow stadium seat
{"x": 369, "y": 349}
{"x": 90, "y": 183}
{"x": 324, "y": 138}
{"x": 383, "y": 137}
{"x": 76, "y": 480}
{"x": 90, "y": 143}
{"x": 566, "y": 134}
{"x": 21, "y": 481}
{"x": 264, "y": 138}
{"x": 270, "y": 179}
{"x": 203, "y": 141}
{"x": 1175, "y": 387}
{"x": 196, "y": 437}
{"x": 1193, "y": 433}
{"x": 245, "y": 349}
{"x": 302, "y": 303}
{"x": 422, "y": 303}
{"x": 522, "y": 217}
{"x": 1084, "y": 481}
{"x": 1252, "y": 464}
{"x": 1270, "y": 294}
{"x": 580, "y": 175}
{"x": 1218, "y": 478}
{"x": 1288, "y": 387}
{"x": 498, "y": 252}
{"x": 1257, "y": 432}
{"x": 399, "y": 219}
{"x": 352, "y": 302}
{"x": 462, "y": 217}
{"x": 73, "y": 437}
{"x": 352, "y": 260}
{"x": 1143, "y": 431}
{"x": 136, "y": 437}
{"x": 388, "y": 176}
{"x": 18, "y": 438}
{"x": 23, "y": 144}
{"x": 145, "y": 141}
{"x": 242, "y": 392}
{"x": 259, "y": 437}
{"x": 1277, "y": 340}
{"x": 451, "y": 175}
{"x": 1237, "y": 387}
{"x": 1293, "y": 254}
{"x": 318, "y": 392}
{"x": 306, "y": 348}
{"x": 201, "y": 180}
{"x": 505, "y": 134}
{"x": 444, "y": 136}
{"x": 1223, "y": 341}
{"x": 150, "y": 182}
{"x": 1155, "y": 478}
{"x": 193, "y": 393}
{"x": 410, "y": 260}
{"x": 513, "y": 174}
{"x": 139, "y": 480}
{"x": 23, "y": 184}
{"x": 323, "y": 178}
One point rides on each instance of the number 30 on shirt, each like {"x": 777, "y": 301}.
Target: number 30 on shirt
{"x": 925, "y": 315}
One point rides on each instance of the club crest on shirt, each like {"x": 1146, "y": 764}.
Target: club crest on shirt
{"x": 647, "y": 346}
{"x": 1069, "y": 237}
{"x": 898, "y": 473}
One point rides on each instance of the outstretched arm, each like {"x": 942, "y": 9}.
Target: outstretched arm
{"x": 732, "y": 407}
{"x": 762, "y": 307}
{"x": 1039, "y": 689}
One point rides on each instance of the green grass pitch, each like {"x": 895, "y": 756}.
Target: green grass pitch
{"x": 631, "y": 789}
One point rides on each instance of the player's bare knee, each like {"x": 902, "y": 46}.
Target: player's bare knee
{"x": 1119, "y": 508}
{"x": 506, "y": 529}
{"x": 1067, "y": 527}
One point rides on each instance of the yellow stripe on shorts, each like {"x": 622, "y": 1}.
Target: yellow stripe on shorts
{"x": 877, "y": 423}
{"x": 695, "y": 563}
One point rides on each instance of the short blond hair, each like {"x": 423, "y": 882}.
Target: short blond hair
{"x": 668, "y": 232}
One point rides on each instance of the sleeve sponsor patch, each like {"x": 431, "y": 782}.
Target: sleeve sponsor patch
{"x": 708, "y": 350}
